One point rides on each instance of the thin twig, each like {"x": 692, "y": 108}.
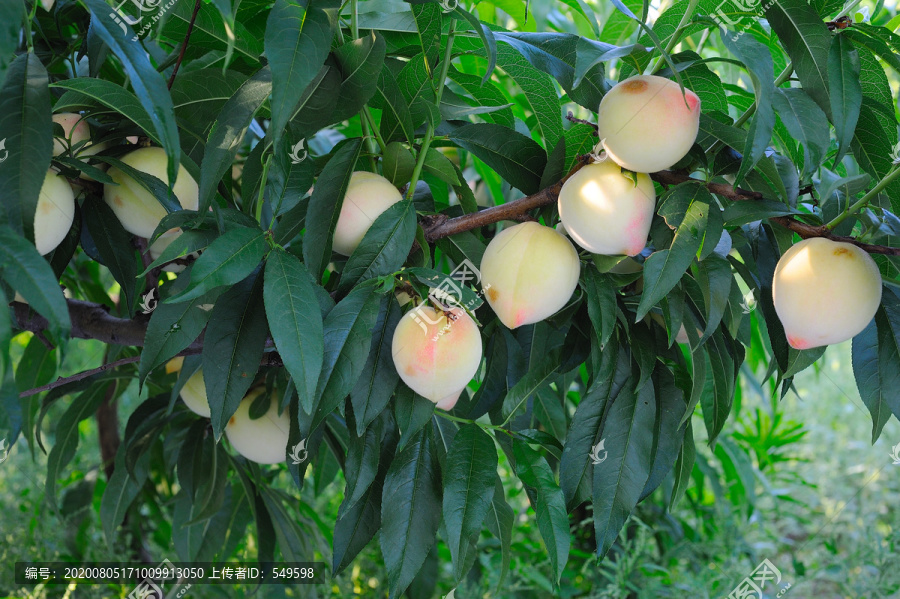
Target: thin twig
{"x": 184, "y": 45}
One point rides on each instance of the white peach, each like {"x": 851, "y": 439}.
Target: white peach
{"x": 194, "y": 395}
{"x": 368, "y": 195}
{"x": 825, "y": 292}
{"x": 137, "y": 209}
{"x": 263, "y": 440}
{"x": 76, "y": 132}
{"x": 646, "y": 124}
{"x": 55, "y": 212}
{"x": 605, "y": 211}
{"x": 529, "y": 272}
{"x": 436, "y": 355}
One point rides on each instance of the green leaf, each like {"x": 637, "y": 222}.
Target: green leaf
{"x": 12, "y": 15}
{"x": 718, "y": 387}
{"x": 684, "y": 465}
{"x": 227, "y": 133}
{"x": 228, "y": 260}
{"x": 379, "y": 377}
{"x": 549, "y": 505}
{"x": 28, "y": 273}
{"x": 411, "y": 511}
{"x": 619, "y": 480}
{"x": 325, "y": 207}
{"x": 233, "y": 347}
{"x": 210, "y": 31}
{"x": 601, "y": 303}
{"x": 487, "y": 38}
{"x": 758, "y": 61}
{"x": 348, "y": 336}
{"x": 157, "y": 188}
{"x": 397, "y": 164}
{"x": 668, "y": 435}
{"x": 537, "y": 376}
{"x": 27, "y": 135}
{"x": 485, "y": 95}
{"x": 81, "y": 408}
{"x": 441, "y": 167}
{"x": 500, "y": 520}
{"x": 148, "y": 84}
{"x": 516, "y": 158}
{"x": 395, "y": 117}
{"x": 298, "y": 333}
{"x": 874, "y": 384}
{"x": 468, "y": 489}
{"x": 113, "y": 243}
{"x": 383, "y": 248}
{"x": 428, "y": 24}
{"x": 173, "y": 327}
{"x": 120, "y": 493}
{"x": 715, "y": 280}
{"x": 664, "y": 268}
{"x": 846, "y": 93}
{"x": 298, "y": 38}
{"x": 361, "y": 465}
{"x": 86, "y": 90}
{"x": 361, "y": 61}
{"x": 806, "y": 39}
{"x": 806, "y": 123}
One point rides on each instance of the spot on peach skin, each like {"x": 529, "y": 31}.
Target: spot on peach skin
{"x": 231, "y": 420}
{"x": 634, "y": 86}
{"x": 844, "y": 251}
{"x": 493, "y": 294}
{"x": 118, "y": 201}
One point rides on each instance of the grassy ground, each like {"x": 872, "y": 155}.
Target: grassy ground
{"x": 825, "y": 517}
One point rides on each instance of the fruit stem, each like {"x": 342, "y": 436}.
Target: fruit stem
{"x": 439, "y": 91}
{"x": 863, "y": 201}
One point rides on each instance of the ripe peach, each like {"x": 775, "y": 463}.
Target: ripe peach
{"x": 825, "y": 292}
{"x": 194, "y": 395}
{"x": 646, "y": 124}
{"x": 263, "y": 440}
{"x": 137, "y": 209}
{"x": 437, "y": 356}
{"x": 605, "y": 212}
{"x": 76, "y": 131}
{"x": 529, "y": 272}
{"x": 368, "y": 195}
{"x": 55, "y": 212}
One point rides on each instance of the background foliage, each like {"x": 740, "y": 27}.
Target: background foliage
{"x": 467, "y": 106}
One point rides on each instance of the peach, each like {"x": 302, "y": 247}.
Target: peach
{"x": 605, "y": 212}
{"x": 368, "y": 195}
{"x": 825, "y": 292}
{"x": 436, "y": 355}
{"x": 529, "y": 272}
{"x": 263, "y": 440}
{"x": 194, "y": 395}
{"x": 76, "y": 132}
{"x": 137, "y": 209}
{"x": 646, "y": 124}
{"x": 55, "y": 212}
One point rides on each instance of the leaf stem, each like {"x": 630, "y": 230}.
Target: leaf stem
{"x": 439, "y": 91}
{"x": 673, "y": 41}
{"x": 262, "y": 188}
{"x": 863, "y": 201}
{"x": 449, "y": 416}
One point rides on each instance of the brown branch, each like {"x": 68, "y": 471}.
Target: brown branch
{"x": 184, "y": 45}
{"x": 77, "y": 377}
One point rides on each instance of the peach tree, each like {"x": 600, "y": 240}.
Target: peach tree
{"x": 432, "y": 249}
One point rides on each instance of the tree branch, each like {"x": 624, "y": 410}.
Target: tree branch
{"x": 187, "y": 37}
